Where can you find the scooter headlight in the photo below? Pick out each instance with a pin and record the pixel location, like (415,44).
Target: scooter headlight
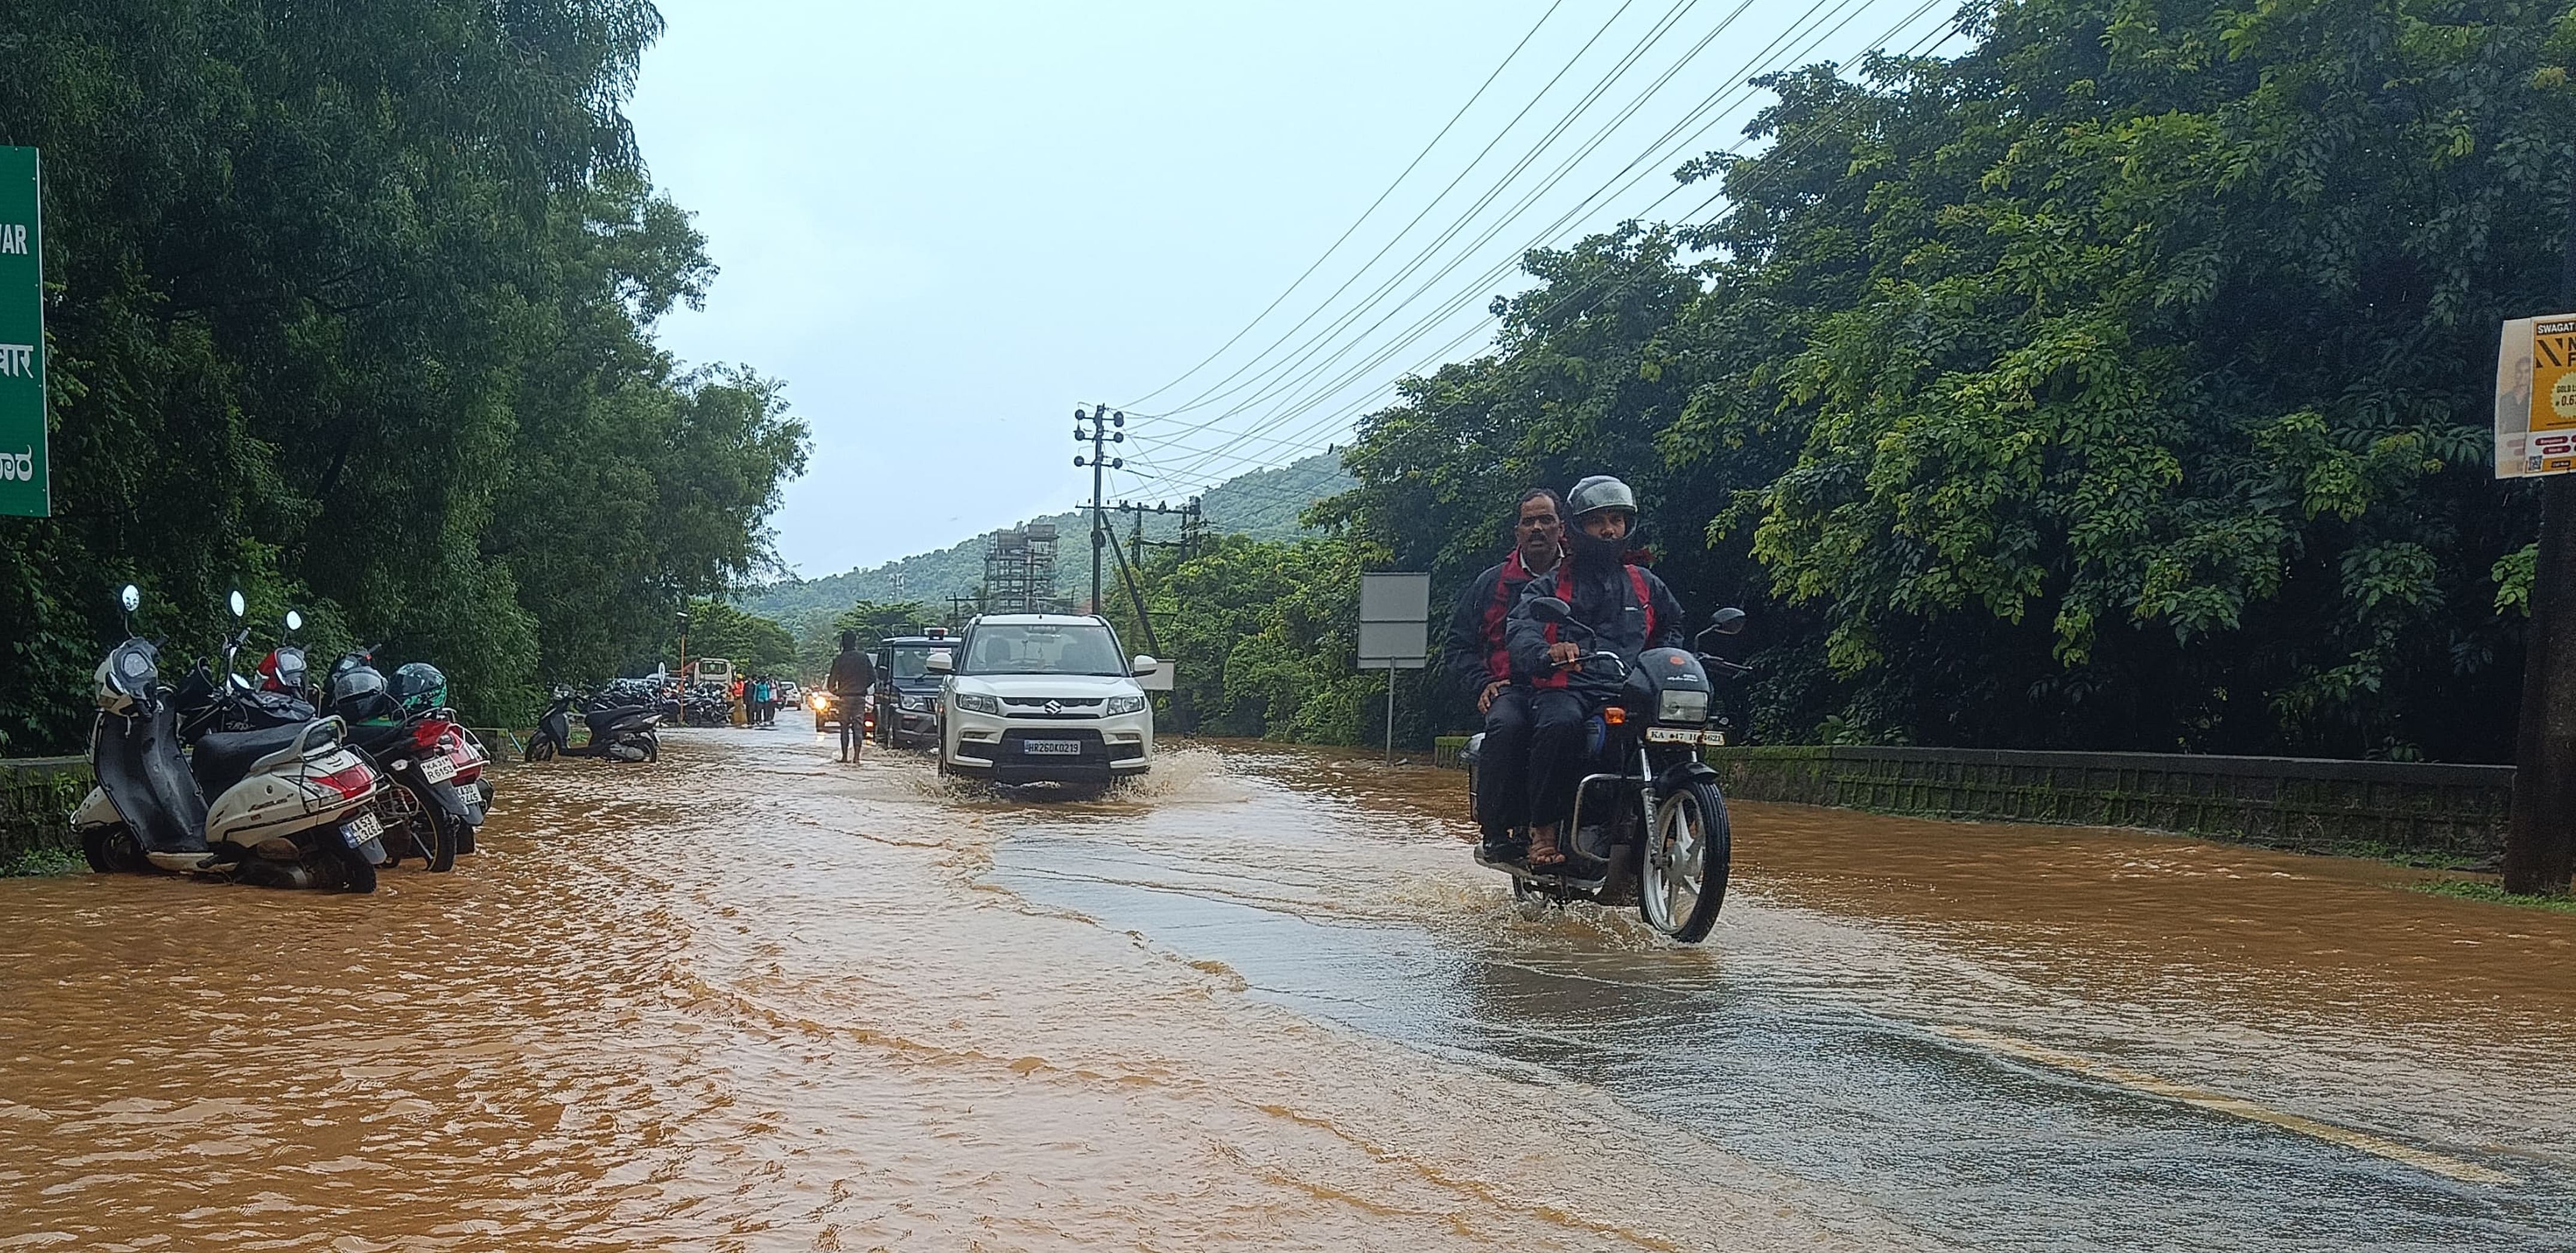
(1682,706)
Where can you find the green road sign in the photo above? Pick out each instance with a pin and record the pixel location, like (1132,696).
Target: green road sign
(25,478)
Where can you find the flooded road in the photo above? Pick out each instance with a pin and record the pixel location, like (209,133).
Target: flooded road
(754,999)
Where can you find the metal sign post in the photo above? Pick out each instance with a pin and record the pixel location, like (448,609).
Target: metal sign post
(2535,437)
(1395,619)
(26,473)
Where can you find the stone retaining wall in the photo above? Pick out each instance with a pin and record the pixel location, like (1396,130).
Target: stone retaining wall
(36,799)
(2410,811)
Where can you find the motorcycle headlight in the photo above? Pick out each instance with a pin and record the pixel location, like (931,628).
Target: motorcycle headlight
(977,702)
(1680,706)
(1124,705)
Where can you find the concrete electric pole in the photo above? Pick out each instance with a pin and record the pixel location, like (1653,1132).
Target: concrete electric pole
(1100,434)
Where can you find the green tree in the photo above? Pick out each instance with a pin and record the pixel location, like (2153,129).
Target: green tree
(348,309)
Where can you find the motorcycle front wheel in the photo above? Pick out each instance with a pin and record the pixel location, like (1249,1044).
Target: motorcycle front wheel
(541,748)
(1681,882)
(111,849)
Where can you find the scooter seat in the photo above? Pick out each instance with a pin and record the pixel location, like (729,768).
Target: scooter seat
(376,739)
(223,758)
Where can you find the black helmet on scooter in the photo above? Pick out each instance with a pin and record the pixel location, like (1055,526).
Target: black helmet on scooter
(358,693)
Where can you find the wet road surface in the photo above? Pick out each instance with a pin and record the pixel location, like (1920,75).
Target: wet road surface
(755,999)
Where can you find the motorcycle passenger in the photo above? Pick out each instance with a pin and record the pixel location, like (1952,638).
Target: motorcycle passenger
(1627,610)
(1476,662)
(852,675)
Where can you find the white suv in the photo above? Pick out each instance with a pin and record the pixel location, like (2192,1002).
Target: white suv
(1043,698)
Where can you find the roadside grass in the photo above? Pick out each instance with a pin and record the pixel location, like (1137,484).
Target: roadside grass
(2479,890)
(28,862)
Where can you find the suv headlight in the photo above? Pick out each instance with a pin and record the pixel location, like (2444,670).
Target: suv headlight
(1124,705)
(916,704)
(979,703)
(1680,706)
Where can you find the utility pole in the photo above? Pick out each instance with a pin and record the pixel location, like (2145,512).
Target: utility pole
(2540,834)
(1101,419)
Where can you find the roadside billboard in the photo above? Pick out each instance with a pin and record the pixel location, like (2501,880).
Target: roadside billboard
(2535,406)
(26,474)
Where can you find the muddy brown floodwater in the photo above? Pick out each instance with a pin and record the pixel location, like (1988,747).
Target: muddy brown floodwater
(754,999)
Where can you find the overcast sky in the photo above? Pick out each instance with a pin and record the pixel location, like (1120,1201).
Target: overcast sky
(945,226)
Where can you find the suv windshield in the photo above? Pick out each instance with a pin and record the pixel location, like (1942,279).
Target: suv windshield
(912,661)
(1042,648)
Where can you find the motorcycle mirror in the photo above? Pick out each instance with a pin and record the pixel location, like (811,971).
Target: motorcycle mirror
(1729,621)
(239,605)
(294,620)
(1550,609)
(131,598)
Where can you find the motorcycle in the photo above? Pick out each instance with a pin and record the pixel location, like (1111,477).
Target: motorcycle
(438,799)
(617,732)
(289,806)
(1649,825)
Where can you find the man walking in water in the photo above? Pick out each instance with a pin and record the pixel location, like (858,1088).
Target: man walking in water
(852,675)
(1476,661)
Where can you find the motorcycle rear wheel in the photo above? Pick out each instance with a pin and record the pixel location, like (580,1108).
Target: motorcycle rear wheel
(433,834)
(357,874)
(1681,883)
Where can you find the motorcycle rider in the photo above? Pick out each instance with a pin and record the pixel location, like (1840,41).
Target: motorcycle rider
(1476,662)
(1626,609)
(852,675)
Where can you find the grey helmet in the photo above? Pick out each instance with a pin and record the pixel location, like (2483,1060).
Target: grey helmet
(1597,493)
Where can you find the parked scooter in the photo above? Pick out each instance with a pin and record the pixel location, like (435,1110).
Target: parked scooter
(288,806)
(1649,824)
(617,732)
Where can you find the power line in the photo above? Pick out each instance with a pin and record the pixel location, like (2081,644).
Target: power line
(1208,457)
(1356,223)
(1738,84)
(1426,209)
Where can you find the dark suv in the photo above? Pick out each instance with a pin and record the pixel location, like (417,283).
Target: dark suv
(907,693)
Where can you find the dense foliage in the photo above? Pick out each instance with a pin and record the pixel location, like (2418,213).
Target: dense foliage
(2121,383)
(347,308)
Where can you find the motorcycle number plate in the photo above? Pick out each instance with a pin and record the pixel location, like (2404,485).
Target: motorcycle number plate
(1051,748)
(1671,735)
(359,830)
(437,769)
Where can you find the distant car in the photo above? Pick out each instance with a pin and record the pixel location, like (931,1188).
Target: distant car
(788,695)
(827,709)
(907,690)
(1043,698)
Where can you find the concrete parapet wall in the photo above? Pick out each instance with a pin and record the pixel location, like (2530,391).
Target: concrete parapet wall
(2412,811)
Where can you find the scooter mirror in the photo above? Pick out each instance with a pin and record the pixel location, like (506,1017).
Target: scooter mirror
(239,605)
(131,598)
(1550,609)
(1729,621)
(294,620)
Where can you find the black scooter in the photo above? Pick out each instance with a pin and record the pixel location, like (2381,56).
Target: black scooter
(618,733)
(1649,825)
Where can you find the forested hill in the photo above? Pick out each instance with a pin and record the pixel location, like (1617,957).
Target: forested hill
(1264,504)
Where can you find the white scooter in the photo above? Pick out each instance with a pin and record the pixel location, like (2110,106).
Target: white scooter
(290,808)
